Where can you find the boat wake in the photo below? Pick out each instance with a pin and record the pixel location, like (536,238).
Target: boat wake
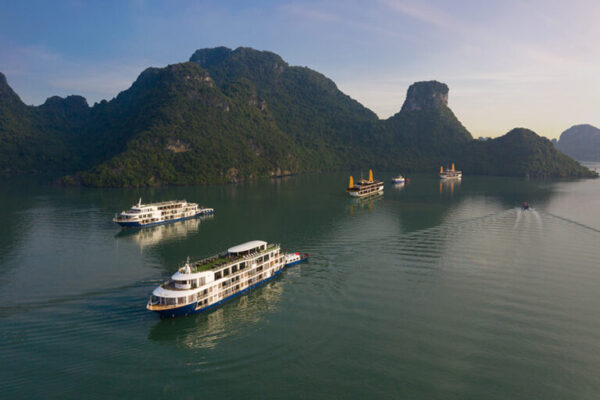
(524,217)
(518,219)
(571,221)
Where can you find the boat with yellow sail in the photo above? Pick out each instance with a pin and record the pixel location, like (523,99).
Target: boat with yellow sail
(364,187)
(450,173)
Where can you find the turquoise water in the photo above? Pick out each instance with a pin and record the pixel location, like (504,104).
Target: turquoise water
(431,291)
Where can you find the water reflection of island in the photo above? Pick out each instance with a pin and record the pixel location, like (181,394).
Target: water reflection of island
(208,329)
(155,234)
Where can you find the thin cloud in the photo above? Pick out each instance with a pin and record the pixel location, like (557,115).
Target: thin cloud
(311,13)
(342,18)
(425,13)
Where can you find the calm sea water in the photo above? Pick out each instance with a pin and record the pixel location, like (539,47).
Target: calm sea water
(432,291)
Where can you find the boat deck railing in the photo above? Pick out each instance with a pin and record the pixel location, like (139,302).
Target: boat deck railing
(220,261)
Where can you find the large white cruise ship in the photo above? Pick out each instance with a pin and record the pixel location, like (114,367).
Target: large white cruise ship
(205,284)
(140,215)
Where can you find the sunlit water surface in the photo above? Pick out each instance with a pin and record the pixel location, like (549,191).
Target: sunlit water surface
(431,291)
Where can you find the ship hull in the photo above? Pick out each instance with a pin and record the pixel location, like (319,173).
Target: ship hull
(192,309)
(446,177)
(296,262)
(136,224)
(371,193)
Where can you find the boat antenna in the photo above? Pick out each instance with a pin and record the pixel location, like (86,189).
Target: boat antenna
(140,202)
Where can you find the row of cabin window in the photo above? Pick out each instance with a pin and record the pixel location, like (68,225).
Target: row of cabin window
(264,258)
(230,290)
(181,300)
(255,271)
(170,301)
(225,272)
(198,296)
(173,211)
(255,279)
(234,268)
(195,282)
(230,281)
(237,278)
(171,206)
(225,292)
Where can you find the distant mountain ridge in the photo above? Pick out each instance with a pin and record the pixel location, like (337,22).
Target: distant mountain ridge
(234,115)
(521,152)
(582,142)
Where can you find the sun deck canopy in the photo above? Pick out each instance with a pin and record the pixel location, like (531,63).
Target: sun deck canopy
(244,248)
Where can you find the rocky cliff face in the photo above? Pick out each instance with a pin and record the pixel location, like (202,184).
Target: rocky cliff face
(426,95)
(7,95)
(582,142)
(426,124)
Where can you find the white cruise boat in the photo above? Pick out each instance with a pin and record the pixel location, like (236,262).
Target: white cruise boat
(140,215)
(295,258)
(398,179)
(450,173)
(365,187)
(205,284)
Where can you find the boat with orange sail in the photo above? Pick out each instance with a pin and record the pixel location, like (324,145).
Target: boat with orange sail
(450,173)
(364,187)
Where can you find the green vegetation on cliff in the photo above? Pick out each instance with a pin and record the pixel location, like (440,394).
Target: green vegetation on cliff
(185,130)
(233,115)
(520,152)
(38,139)
(330,128)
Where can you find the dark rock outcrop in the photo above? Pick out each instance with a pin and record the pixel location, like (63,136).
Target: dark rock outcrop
(582,142)
(426,95)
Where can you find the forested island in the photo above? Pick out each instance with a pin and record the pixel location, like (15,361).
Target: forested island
(237,115)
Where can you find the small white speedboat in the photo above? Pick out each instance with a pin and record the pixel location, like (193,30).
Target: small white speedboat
(398,179)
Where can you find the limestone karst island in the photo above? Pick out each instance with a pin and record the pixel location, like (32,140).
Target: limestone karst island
(238,115)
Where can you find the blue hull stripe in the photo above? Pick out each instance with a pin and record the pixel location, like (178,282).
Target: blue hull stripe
(296,262)
(191,308)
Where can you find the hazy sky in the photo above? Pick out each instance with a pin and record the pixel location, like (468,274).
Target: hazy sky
(530,63)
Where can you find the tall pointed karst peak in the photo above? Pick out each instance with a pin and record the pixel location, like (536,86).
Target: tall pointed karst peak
(6,92)
(426,95)
(3,81)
